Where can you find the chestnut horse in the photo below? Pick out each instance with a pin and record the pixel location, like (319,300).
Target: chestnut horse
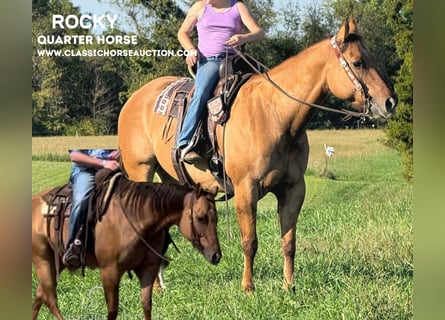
(131,235)
(264,141)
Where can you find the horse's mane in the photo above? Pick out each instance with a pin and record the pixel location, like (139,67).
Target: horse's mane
(353,37)
(138,198)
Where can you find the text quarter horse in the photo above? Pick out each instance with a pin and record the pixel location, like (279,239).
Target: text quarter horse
(130,236)
(265,143)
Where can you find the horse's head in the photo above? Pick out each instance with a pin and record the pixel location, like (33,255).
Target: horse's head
(352,75)
(199,221)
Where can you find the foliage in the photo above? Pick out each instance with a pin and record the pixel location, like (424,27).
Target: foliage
(400,137)
(400,128)
(68,89)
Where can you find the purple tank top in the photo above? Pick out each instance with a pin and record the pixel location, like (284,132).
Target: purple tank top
(215,28)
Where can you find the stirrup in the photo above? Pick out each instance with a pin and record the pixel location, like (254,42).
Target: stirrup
(184,151)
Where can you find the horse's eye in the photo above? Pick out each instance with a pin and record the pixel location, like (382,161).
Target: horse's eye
(202,219)
(358,64)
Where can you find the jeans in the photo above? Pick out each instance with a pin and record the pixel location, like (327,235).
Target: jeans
(207,76)
(83,183)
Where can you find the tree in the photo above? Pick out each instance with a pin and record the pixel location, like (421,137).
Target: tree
(50,101)
(314,26)
(156,23)
(399,133)
(67,90)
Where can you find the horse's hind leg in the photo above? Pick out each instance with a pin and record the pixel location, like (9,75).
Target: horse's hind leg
(246,206)
(142,170)
(290,195)
(289,206)
(138,156)
(46,290)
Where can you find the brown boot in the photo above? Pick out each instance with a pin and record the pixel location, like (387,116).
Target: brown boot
(191,157)
(71,258)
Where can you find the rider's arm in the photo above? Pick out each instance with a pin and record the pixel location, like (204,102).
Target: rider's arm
(255,31)
(185,30)
(85,160)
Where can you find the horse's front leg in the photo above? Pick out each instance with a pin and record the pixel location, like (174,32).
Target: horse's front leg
(147,275)
(290,201)
(110,276)
(246,206)
(159,283)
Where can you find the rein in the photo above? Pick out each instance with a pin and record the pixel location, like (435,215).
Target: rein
(195,235)
(160,256)
(348,114)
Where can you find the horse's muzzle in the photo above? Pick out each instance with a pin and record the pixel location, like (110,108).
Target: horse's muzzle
(390,104)
(215,258)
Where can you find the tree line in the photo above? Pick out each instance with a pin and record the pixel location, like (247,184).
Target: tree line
(83,95)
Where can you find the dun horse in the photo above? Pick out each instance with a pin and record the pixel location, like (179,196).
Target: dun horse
(131,235)
(264,141)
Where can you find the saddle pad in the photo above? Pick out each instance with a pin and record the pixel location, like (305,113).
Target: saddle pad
(167,106)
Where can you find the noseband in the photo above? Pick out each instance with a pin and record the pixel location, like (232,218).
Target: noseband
(358,85)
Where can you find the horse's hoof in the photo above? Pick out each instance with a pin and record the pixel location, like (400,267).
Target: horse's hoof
(289,287)
(159,289)
(248,288)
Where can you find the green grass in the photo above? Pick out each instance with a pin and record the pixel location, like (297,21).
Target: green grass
(354,254)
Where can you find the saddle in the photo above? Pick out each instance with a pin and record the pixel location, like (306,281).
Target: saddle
(58,206)
(173,102)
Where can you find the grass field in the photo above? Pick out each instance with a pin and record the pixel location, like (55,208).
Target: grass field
(354,245)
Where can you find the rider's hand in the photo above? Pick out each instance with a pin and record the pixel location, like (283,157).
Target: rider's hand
(114,155)
(110,164)
(236,40)
(192,57)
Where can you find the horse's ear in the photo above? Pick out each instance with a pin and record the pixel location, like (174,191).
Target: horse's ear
(214,191)
(343,32)
(352,26)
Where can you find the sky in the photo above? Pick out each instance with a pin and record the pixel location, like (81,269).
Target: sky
(94,7)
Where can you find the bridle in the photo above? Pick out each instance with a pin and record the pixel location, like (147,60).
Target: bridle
(195,236)
(358,85)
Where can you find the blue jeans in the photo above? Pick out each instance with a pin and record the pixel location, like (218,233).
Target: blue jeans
(83,183)
(207,76)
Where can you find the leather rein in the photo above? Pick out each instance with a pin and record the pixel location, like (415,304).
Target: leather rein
(195,236)
(358,85)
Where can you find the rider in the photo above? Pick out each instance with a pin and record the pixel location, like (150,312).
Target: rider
(220,25)
(85,164)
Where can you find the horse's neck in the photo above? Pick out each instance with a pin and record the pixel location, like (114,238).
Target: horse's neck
(169,213)
(303,77)
(157,209)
